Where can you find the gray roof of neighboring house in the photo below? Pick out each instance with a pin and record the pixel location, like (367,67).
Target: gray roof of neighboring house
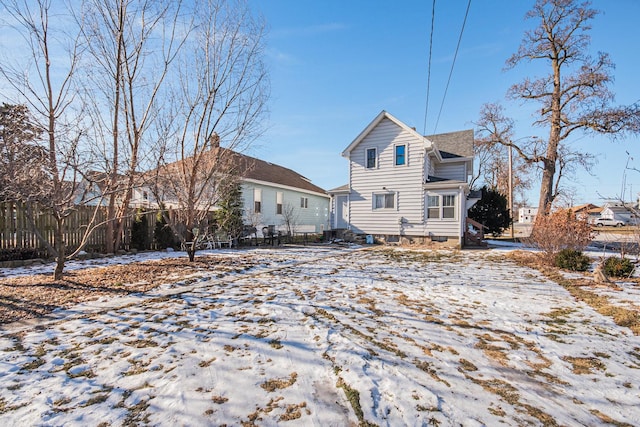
(251,168)
(454,144)
(340,189)
(260,170)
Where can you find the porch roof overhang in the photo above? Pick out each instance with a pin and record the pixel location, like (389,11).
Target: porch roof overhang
(446,185)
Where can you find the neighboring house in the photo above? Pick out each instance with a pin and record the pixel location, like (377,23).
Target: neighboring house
(280,197)
(626,212)
(587,211)
(403,185)
(272,195)
(527,215)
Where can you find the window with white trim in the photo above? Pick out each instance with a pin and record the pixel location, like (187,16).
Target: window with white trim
(448,206)
(400,155)
(372,156)
(257,200)
(441,206)
(279,198)
(433,207)
(304,202)
(384,201)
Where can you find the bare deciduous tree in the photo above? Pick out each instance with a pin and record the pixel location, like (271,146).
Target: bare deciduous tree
(219,100)
(45,80)
(132,45)
(573,97)
(290,219)
(492,161)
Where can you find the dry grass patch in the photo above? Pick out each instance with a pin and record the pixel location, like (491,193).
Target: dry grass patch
(279,383)
(577,288)
(219,400)
(294,411)
(584,365)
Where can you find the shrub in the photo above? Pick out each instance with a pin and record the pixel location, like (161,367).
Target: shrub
(139,231)
(491,211)
(18,254)
(618,267)
(571,259)
(560,230)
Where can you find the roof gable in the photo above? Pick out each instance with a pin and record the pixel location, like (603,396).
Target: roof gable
(383,115)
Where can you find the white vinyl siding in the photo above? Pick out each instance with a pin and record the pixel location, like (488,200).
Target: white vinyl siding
(313,219)
(405,181)
(456,171)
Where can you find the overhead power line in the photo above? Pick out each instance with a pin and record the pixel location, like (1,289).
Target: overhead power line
(426,107)
(452,65)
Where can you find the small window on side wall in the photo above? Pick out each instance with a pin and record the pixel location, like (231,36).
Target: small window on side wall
(279,198)
(257,200)
(304,202)
(400,155)
(384,201)
(371,158)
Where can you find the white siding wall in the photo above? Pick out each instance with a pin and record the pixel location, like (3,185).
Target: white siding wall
(455,171)
(314,218)
(405,180)
(446,227)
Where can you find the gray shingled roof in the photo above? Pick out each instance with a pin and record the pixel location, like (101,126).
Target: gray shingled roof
(252,168)
(454,144)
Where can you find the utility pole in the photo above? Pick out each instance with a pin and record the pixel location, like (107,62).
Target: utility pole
(511,189)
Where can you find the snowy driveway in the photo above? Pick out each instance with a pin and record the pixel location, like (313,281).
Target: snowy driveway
(330,337)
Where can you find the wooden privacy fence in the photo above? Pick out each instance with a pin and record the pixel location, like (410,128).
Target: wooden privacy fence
(16,232)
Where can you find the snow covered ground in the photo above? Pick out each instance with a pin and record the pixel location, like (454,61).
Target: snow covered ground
(331,337)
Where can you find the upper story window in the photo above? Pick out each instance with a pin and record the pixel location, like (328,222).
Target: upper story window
(257,200)
(400,155)
(304,202)
(384,201)
(372,156)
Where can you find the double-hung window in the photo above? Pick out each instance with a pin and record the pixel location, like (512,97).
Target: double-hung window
(400,155)
(371,158)
(448,206)
(384,201)
(304,202)
(279,197)
(433,207)
(257,200)
(441,206)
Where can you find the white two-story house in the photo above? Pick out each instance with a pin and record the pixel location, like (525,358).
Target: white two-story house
(404,186)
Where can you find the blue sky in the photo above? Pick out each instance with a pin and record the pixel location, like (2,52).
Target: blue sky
(336,64)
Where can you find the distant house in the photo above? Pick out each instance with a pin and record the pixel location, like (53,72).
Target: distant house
(626,212)
(403,185)
(527,215)
(272,195)
(587,211)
